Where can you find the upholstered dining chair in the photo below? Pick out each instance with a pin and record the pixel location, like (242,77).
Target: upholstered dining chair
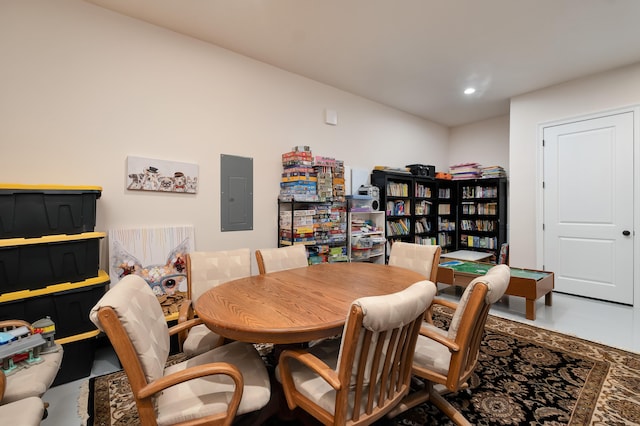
(210,388)
(445,359)
(358,379)
(423,259)
(207,269)
(22,412)
(37,378)
(281,258)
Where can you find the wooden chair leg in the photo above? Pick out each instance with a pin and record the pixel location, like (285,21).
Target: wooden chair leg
(448,409)
(436,398)
(408,402)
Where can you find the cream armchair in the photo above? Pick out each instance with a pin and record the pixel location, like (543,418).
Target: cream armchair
(211,388)
(360,378)
(204,271)
(445,359)
(423,259)
(23,412)
(281,258)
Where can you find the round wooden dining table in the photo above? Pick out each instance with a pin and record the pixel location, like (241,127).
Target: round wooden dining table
(296,305)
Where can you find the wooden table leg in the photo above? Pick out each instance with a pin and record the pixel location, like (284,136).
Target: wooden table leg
(531,309)
(547,299)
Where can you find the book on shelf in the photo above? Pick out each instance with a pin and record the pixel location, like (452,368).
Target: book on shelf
(397,189)
(423,207)
(444,209)
(444,193)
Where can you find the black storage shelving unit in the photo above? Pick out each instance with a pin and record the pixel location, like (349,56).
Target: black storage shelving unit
(482,214)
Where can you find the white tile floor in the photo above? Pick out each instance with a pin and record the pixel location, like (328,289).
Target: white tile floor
(607,323)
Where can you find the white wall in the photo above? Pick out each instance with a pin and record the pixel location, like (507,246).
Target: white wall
(578,98)
(82,88)
(485,142)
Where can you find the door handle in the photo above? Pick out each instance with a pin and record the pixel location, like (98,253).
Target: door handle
(626,233)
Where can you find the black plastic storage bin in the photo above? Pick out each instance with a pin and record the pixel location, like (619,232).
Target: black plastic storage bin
(32,263)
(68,305)
(35,210)
(78,356)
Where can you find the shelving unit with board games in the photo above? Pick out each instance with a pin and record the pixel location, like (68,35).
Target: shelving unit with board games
(319,225)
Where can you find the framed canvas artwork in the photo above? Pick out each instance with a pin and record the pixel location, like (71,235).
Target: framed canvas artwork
(156,254)
(146,174)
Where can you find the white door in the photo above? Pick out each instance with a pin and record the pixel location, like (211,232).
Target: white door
(588,207)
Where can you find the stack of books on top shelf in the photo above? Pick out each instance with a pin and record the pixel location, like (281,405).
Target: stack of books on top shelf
(465,171)
(493,172)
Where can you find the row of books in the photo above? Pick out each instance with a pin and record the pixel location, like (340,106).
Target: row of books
(444,209)
(423,207)
(398,227)
(396,189)
(478,225)
(489,209)
(479,191)
(423,225)
(423,191)
(444,239)
(426,241)
(480,242)
(445,224)
(403,208)
(398,208)
(444,193)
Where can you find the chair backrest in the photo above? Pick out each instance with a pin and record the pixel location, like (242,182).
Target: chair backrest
(131,317)
(207,269)
(376,352)
(23,412)
(467,324)
(423,259)
(281,258)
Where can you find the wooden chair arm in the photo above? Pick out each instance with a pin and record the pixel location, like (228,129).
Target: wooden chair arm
(443,340)
(185,314)
(311,361)
(186,311)
(184,326)
(445,303)
(442,302)
(191,373)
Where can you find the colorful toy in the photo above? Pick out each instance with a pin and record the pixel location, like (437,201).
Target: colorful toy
(24,344)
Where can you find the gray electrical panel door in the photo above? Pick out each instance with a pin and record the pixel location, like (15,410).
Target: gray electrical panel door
(236,193)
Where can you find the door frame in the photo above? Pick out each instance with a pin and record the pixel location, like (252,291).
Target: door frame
(635,109)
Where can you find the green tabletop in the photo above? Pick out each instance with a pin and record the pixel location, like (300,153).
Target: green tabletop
(482,268)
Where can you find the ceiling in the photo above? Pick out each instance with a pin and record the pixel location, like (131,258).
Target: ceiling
(415,55)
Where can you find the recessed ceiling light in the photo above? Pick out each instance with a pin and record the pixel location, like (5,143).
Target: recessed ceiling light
(469,91)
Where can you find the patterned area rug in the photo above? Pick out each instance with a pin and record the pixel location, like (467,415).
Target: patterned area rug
(526,375)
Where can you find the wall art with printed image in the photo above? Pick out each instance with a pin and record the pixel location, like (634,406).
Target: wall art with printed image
(158,255)
(147,174)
